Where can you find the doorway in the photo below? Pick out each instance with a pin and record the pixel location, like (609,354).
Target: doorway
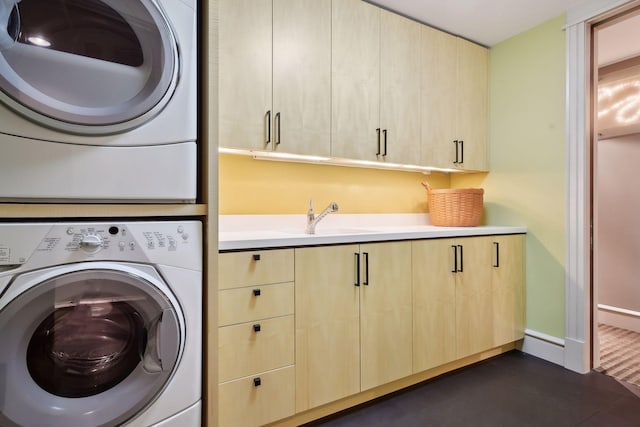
(615,153)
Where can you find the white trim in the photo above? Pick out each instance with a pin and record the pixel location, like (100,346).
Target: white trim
(589,9)
(543,346)
(577,272)
(544,337)
(619,317)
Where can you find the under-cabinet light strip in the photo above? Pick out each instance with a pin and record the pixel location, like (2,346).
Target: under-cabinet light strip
(300,158)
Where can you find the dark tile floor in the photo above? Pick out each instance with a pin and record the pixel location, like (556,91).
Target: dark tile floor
(513,389)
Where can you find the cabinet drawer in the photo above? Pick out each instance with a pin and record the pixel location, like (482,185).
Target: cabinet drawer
(243,403)
(240,269)
(255,302)
(244,351)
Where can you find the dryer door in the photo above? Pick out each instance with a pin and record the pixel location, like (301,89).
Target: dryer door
(90,344)
(86,66)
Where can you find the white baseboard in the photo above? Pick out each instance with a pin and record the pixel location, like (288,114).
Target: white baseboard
(543,346)
(619,317)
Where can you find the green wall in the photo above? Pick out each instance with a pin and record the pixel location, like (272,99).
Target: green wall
(527,160)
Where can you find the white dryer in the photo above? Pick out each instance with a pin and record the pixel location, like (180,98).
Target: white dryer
(100,324)
(98,100)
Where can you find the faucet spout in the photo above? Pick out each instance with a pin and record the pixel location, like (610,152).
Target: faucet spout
(313,220)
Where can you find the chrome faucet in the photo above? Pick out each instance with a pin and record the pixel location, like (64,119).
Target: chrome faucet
(313,220)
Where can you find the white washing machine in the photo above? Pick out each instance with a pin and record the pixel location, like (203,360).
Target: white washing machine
(98,100)
(100,324)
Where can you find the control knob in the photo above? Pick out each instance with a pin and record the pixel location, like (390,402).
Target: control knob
(91,243)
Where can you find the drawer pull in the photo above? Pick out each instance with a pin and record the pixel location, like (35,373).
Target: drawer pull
(256,327)
(256,292)
(256,257)
(257,382)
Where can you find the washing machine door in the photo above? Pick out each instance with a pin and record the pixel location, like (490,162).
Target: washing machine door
(86,66)
(90,344)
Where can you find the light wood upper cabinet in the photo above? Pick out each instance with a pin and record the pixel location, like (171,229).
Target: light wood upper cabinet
(385,313)
(472,104)
(302,76)
(454,101)
(438,96)
(327,325)
(400,82)
(347,79)
(275,75)
(375,81)
(355,76)
(508,279)
(245,82)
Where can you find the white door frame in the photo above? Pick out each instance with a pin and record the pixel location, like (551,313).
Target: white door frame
(578,346)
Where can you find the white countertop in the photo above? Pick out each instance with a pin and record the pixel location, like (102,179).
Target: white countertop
(239,232)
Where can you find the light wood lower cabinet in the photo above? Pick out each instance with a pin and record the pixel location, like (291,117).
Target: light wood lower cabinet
(385,313)
(468,297)
(253,347)
(300,328)
(474,305)
(257,400)
(434,304)
(508,280)
(256,337)
(327,325)
(353,321)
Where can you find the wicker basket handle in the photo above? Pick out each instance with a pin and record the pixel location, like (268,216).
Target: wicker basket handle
(426,185)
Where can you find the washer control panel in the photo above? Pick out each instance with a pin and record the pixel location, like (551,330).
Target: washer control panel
(170,242)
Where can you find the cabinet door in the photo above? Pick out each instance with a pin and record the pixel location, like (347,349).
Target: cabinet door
(385,313)
(434,303)
(302,76)
(508,288)
(245,73)
(472,104)
(355,79)
(474,297)
(400,88)
(438,98)
(327,325)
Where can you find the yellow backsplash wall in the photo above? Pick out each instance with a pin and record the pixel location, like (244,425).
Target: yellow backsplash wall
(248,186)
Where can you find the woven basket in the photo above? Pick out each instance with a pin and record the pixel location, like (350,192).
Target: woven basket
(461,207)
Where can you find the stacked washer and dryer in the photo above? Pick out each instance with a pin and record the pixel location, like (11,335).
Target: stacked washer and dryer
(100,321)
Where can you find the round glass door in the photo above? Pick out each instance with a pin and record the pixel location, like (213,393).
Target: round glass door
(88,347)
(86,66)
